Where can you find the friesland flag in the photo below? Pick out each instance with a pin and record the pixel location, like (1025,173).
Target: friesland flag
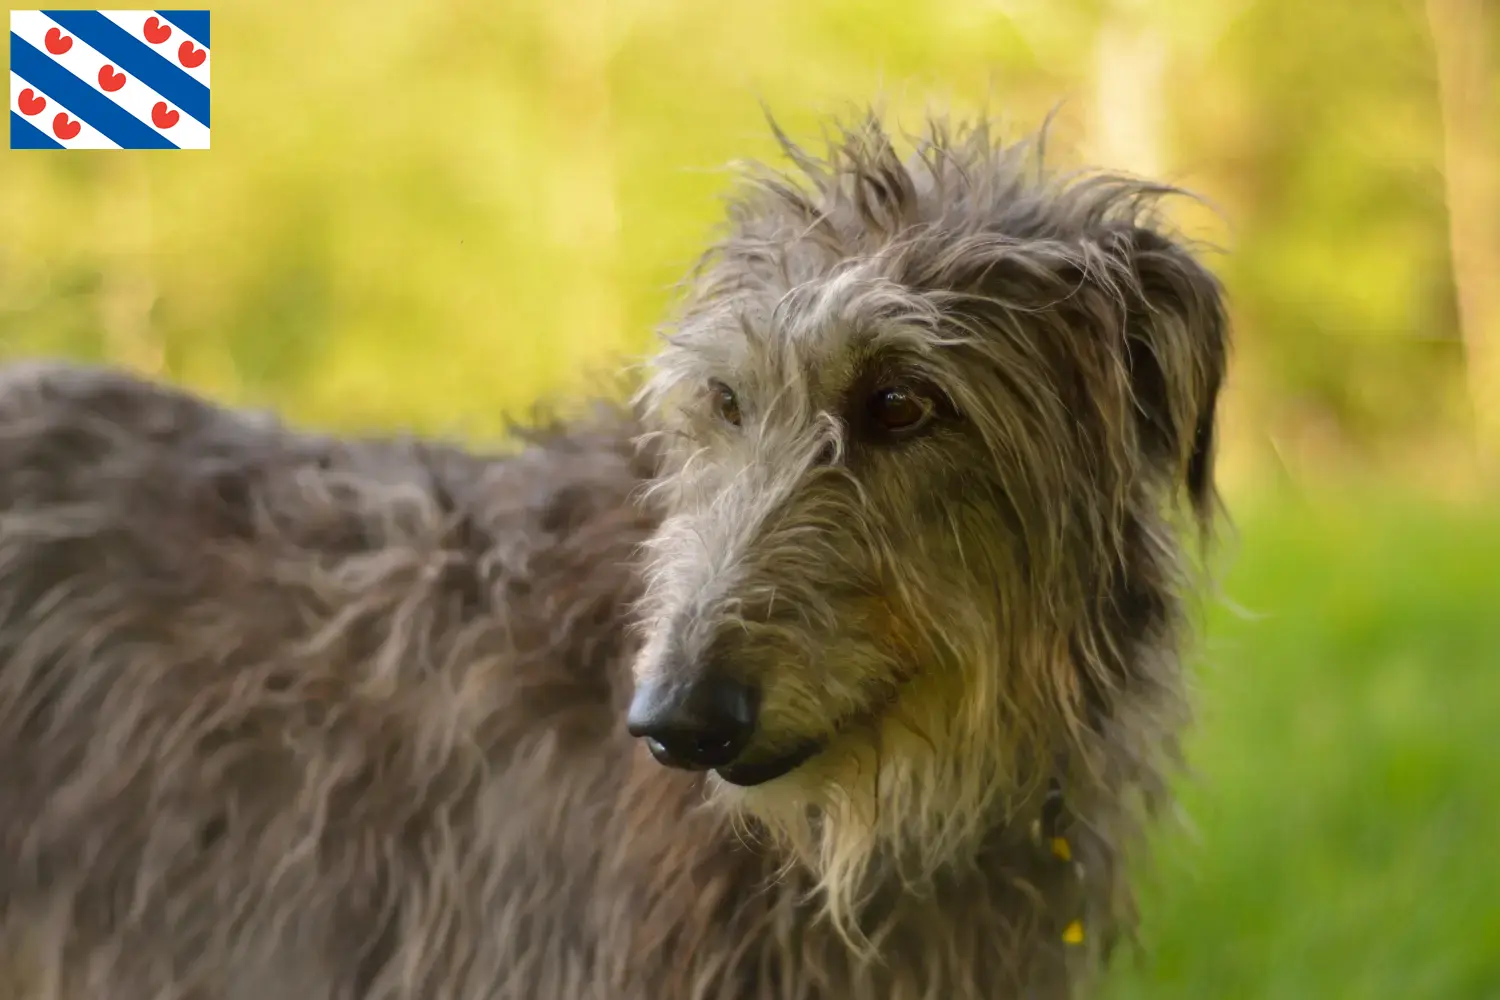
(109,79)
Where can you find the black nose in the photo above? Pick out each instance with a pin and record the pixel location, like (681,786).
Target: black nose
(699,725)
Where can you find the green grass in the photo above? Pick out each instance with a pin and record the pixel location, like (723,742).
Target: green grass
(1345,800)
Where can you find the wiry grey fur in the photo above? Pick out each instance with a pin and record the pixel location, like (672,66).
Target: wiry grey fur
(288,715)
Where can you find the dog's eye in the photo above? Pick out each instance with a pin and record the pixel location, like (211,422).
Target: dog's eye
(900,410)
(726,405)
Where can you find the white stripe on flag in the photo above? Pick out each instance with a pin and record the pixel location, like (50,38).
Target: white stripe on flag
(134,24)
(88,137)
(84,62)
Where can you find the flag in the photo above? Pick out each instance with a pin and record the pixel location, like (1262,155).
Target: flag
(109,79)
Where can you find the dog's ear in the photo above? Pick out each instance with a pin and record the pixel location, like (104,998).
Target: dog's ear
(1176,353)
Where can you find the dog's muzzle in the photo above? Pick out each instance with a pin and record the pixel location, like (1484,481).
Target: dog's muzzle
(703,724)
(707,724)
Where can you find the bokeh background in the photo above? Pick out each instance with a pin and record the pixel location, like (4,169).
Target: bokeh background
(429,215)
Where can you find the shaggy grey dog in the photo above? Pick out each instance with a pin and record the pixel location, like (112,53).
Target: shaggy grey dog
(884,561)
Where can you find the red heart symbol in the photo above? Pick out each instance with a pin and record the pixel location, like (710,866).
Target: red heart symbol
(63,128)
(155,31)
(31,102)
(190,57)
(161,117)
(57,42)
(109,79)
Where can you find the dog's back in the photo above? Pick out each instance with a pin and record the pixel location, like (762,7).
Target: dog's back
(280,715)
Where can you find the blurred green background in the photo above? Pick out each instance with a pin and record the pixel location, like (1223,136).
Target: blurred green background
(429,215)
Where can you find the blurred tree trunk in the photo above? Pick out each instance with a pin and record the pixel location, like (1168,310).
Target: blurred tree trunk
(128,289)
(1462,31)
(584,209)
(1129,106)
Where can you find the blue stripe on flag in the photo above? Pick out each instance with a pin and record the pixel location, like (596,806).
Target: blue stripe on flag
(136,58)
(81,99)
(194,22)
(24,135)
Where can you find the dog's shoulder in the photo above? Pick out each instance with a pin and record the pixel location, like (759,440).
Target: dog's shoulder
(230,648)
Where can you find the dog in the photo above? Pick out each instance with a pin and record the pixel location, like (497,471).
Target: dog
(841,660)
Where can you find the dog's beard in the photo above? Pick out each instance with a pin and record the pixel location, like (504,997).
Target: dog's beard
(899,798)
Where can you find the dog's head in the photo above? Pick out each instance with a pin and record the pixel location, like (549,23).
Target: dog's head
(923,421)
